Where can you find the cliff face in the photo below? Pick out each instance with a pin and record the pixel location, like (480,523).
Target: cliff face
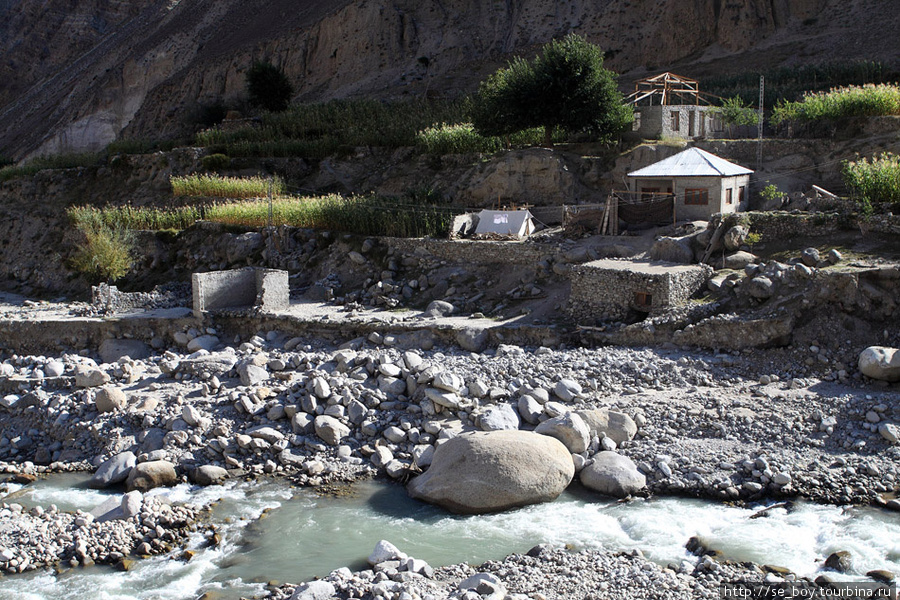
(89,71)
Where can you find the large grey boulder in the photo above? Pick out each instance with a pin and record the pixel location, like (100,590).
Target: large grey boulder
(612,474)
(330,430)
(152,474)
(499,417)
(761,287)
(673,250)
(208,475)
(251,374)
(570,429)
(880,362)
(489,471)
(610,423)
(734,238)
(112,471)
(739,260)
(218,364)
(90,377)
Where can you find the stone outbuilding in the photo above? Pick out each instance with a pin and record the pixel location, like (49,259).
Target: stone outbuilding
(702,184)
(624,289)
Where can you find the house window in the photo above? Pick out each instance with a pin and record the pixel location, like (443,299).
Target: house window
(676,120)
(643,300)
(718,123)
(728,198)
(742,191)
(696,196)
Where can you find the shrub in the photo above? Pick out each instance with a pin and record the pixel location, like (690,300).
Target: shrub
(53,161)
(364,215)
(771,192)
(874,181)
(215,162)
(456,139)
(106,252)
(268,87)
(735,113)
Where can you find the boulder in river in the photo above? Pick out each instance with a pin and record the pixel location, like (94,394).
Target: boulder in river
(152,474)
(613,474)
(490,471)
(113,470)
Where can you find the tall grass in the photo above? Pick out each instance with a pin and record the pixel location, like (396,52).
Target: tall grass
(364,215)
(461,138)
(55,161)
(840,103)
(129,217)
(322,129)
(874,181)
(217,186)
(790,83)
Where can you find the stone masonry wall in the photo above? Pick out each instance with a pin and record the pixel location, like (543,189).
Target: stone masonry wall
(474,252)
(609,294)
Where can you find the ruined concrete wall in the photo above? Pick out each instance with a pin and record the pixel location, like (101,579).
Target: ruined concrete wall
(266,289)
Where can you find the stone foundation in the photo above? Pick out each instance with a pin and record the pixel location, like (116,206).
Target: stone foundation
(615,289)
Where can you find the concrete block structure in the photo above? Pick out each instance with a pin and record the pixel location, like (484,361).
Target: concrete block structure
(624,289)
(265,289)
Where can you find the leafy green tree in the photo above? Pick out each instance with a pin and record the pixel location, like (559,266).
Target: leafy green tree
(268,87)
(735,113)
(565,87)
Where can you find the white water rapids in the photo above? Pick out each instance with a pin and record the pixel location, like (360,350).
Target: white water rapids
(305,535)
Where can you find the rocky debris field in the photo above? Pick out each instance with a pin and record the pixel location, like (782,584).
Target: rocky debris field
(541,574)
(632,421)
(115,533)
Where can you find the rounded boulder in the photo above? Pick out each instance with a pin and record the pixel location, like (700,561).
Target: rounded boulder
(490,471)
(613,474)
(152,474)
(880,362)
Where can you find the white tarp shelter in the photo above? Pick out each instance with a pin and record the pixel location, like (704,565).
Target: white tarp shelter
(518,223)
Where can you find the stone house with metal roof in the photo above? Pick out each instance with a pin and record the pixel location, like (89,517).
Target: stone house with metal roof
(701,183)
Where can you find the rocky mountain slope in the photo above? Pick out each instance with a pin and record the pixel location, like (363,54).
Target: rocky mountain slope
(75,78)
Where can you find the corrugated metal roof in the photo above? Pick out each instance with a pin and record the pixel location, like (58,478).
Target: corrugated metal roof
(692,162)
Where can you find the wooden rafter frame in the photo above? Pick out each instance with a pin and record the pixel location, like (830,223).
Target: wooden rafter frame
(669,89)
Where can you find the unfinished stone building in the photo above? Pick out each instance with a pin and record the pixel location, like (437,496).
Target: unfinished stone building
(623,289)
(672,106)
